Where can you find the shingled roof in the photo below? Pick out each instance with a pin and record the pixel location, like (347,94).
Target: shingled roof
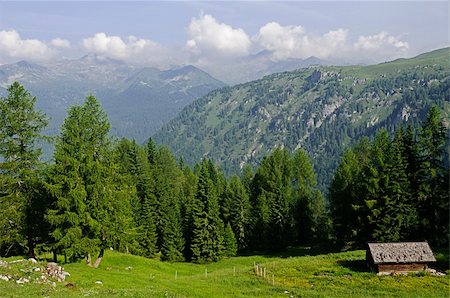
(401,252)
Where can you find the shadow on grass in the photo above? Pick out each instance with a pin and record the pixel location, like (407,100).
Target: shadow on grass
(356,265)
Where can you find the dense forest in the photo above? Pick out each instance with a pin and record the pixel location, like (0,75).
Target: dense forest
(323,110)
(102,193)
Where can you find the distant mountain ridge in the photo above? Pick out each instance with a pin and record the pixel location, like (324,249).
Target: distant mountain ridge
(323,109)
(138,100)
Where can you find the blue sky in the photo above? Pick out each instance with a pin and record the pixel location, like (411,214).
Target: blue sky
(173,32)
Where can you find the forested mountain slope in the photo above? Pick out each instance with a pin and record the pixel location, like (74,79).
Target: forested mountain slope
(139,100)
(321,109)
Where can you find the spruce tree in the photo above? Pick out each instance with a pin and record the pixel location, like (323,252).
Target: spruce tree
(229,242)
(239,208)
(20,129)
(168,190)
(207,227)
(433,186)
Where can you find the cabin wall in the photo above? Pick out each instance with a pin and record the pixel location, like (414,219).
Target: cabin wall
(400,267)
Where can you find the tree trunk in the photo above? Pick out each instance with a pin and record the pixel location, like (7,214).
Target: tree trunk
(99,259)
(55,256)
(31,253)
(88,260)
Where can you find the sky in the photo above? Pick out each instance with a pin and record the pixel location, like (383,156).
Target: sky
(164,33)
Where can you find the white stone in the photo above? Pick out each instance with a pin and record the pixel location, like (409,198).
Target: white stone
(4,277)
(98,282)
(32,260)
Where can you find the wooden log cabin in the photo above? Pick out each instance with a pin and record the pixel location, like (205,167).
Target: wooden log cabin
(399,256)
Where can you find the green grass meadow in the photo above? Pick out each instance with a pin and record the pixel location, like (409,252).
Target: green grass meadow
(293,274)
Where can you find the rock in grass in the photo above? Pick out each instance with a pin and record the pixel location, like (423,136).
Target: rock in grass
(99,282)
(4,277)
(22,280)
(32,260)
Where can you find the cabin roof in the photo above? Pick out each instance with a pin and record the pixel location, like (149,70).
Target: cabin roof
(401,252)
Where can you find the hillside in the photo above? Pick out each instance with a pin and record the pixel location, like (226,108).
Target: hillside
(139,100)
(321,109)
(300,275)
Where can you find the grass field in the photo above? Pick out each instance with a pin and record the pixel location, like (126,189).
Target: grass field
(293,274)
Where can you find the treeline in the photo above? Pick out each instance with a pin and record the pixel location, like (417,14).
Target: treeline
(101,193)
(394,188)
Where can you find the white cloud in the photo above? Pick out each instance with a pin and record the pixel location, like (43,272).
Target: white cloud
(13,47)
(210,39)
(60,43)
(380,46)
(294,42)
(133,49)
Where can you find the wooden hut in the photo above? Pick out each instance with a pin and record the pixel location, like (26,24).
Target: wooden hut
(399,256)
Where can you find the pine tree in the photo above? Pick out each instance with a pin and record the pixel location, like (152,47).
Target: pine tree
(20,129)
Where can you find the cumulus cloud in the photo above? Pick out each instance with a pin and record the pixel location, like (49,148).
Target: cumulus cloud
(210,39)
(380,46)
(132,49)
(60,43)
(294,42)
(12,46)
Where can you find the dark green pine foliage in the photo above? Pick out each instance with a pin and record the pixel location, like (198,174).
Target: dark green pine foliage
(311,219)
(237,203)
(344,194)
(273,207)
(374,187)
(189,190)
(168,190)
(146,206)
(229,242)
(433,179)
(397,209)
(88,195)
(20,129)
(207,227)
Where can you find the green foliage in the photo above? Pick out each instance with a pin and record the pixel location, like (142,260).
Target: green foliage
(323,110)
(91,208)
(20,130)
(229,242)
(207,227)
(394,188)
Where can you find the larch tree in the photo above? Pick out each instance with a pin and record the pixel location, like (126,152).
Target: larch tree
(20,130)
(86,193)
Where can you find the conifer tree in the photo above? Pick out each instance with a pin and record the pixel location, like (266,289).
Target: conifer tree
(311,218)
(207,227)
(433,188)
(167,190)
(239,208)
(20,129)
(82,182)
(229,241)
(273,210)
